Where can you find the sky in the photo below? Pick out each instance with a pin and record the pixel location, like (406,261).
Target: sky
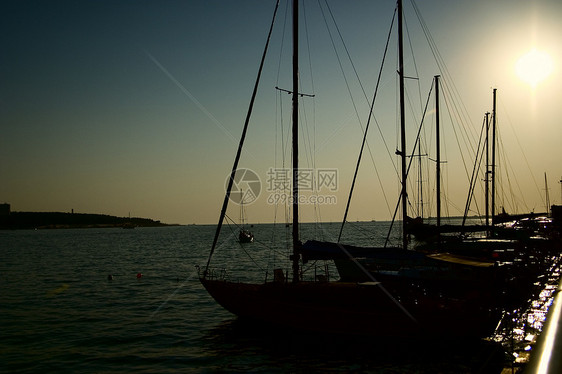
(136,107)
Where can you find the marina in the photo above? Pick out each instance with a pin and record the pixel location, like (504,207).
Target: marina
(442,287)
(336,187)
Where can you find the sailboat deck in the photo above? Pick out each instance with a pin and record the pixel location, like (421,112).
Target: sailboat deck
(448,257)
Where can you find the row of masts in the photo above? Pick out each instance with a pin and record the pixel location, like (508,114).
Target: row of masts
(295,161)
(489,174)
(490,169)
(295,258)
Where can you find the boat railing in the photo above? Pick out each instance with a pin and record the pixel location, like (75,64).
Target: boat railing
(280,275)
(316,274)
(212,273)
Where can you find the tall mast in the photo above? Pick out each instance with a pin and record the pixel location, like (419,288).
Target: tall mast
(242,211)
(420,182)
(486,176)
(493,171)
(240,145)
(546,195)
(438,158)
(296,242)
(560,190)
(402,152)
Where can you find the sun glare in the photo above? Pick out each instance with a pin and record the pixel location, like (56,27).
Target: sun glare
(534,67)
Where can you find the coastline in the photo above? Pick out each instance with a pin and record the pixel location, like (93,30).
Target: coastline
(60,220)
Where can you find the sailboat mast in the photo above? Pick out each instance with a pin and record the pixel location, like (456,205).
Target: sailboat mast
(296,241)
(438,157)
(240,145)
(560,190)
(420,182)
(486,176)
(402,152)
(493,171)
(546,195)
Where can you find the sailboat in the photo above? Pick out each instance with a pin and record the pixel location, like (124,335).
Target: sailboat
(390,306)
(244,235)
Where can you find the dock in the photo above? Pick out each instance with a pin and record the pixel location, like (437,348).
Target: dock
(546,357)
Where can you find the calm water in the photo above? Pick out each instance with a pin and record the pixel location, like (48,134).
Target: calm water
(60,313)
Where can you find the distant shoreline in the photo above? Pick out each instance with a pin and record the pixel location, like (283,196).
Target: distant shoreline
(59,220)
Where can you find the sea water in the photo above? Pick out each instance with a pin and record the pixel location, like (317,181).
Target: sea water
(114,300)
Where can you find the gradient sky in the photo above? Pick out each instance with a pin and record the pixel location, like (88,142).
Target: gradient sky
(135,107)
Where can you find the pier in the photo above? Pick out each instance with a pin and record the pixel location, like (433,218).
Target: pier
(545,357)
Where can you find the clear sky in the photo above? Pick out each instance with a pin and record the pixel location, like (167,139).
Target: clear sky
(136,107)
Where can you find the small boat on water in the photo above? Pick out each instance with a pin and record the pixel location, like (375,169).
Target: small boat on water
(245,236)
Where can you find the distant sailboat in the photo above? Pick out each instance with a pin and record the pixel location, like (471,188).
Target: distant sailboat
(245,235)
(129,224)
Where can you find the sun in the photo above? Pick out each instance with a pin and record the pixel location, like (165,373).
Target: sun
(534,67)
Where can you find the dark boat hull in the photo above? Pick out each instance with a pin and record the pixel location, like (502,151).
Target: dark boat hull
(245,236)
(352,309)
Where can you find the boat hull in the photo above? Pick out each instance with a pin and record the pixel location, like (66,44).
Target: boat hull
(245,236)
(350,308)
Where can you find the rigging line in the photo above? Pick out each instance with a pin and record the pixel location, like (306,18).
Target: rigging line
(285,138)
(378,284)
(462,117)
(481,143)
(361,85)
(457,139)
(242,246)
(474,172)
(364,141)
(284,144)
(341,68)
(500,188)
(231,223)
(313,87)
(278,124)
(313,148)
(283,152)
(358,229)
(409,164)
(507,188)
(414,61)
(306,134)
(240,145)
(508,167)
(307,142)
(412,183)
(422,153)
(450,96)
(275,150)
(520,146)
(454,93)
(357,74)
(279,60)
(468,144)
(517,184)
